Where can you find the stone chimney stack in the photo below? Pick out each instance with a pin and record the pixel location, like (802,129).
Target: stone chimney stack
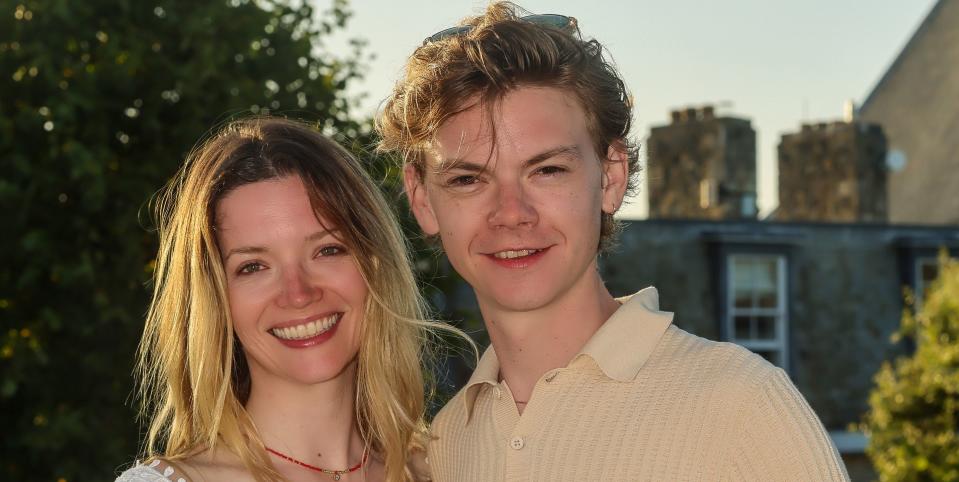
(701,166)
(833,172)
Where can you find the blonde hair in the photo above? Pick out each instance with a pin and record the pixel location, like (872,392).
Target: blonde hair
(193,374)
(497,53)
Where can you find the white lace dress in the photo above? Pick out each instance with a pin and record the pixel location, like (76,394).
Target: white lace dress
(155,471)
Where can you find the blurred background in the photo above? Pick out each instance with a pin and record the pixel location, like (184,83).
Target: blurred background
(799,192)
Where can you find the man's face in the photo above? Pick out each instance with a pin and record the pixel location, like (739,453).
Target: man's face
(519,218)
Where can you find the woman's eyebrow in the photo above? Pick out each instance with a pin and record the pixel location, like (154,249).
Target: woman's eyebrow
(322,234)
(261,249)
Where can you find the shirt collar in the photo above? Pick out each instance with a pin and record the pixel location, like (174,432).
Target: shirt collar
(624,343)
(620,347)
(486,373)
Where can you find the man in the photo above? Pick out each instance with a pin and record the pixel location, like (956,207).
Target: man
(515,134)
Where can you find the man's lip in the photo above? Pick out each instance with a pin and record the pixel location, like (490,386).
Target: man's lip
(302,321)
(491,253)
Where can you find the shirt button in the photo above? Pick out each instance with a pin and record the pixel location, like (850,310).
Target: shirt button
(498,392)
(517,443)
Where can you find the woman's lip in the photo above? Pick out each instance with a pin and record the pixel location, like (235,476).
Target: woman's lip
(303,321)
(308,342)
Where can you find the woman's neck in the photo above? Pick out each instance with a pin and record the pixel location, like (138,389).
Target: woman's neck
(314,424)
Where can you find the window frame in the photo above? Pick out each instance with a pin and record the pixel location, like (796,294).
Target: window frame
(779,345)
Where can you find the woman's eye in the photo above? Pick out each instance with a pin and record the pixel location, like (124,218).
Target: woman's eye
(249,268)
(332,250)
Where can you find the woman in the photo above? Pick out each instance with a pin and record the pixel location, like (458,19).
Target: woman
(284,338)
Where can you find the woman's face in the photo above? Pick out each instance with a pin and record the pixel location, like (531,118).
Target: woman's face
(296,294)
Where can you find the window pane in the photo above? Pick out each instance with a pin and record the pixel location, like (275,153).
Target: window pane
(742,272)
(767,300)
(743,325)
(764,274)
(765,327)
(755,282)
(929,272)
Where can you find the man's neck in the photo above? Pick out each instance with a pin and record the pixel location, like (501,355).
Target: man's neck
(529,344)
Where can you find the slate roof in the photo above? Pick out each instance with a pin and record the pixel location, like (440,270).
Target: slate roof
(917,103)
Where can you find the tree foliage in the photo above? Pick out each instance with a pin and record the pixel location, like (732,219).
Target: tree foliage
(913,422)
(99,102)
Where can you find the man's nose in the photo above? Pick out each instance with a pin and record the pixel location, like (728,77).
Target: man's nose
(511,207)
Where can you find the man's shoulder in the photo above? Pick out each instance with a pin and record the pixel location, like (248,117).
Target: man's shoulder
(454,413)
(724,363)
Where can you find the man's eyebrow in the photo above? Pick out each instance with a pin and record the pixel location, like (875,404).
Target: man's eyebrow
(460,165)
(562,151)
(260,249)
(463,165)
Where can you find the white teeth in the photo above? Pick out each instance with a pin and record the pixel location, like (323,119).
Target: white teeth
(306,330)
(515,254)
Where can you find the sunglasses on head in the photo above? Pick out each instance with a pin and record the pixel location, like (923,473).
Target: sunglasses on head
(561,22)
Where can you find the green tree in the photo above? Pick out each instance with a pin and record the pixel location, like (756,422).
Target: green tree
(99,102)
(913,422)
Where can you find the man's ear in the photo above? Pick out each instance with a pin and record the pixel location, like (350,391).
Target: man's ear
(419,200)
(615,176)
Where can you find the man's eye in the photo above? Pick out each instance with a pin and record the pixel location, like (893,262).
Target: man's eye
(249,268)
(550,170)
(462,181)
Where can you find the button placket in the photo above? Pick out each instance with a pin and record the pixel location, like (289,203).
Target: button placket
(505,418)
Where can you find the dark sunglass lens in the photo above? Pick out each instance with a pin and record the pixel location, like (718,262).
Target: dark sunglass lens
(561,22)
(449,32)
(549,20)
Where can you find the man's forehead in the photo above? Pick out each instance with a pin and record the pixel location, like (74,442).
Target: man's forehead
(463,155)
(521,123)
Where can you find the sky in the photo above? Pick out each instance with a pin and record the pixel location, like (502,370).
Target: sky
(777,63)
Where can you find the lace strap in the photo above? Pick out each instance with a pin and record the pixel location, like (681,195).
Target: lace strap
(168,469)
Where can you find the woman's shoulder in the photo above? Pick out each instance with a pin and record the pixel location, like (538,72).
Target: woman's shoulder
(155,471)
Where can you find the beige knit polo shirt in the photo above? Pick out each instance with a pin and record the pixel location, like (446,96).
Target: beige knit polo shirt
(643,400)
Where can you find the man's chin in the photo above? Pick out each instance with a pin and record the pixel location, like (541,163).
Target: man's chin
(517,300)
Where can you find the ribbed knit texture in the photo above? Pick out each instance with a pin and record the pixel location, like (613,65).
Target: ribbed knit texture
(695,410)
